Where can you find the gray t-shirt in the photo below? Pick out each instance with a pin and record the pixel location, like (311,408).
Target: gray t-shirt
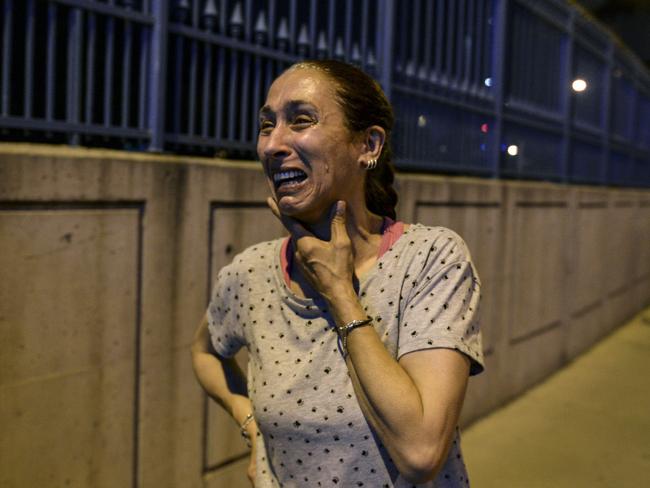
(423,293)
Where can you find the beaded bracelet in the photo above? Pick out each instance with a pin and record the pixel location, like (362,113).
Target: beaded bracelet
(344,330)
(244,433)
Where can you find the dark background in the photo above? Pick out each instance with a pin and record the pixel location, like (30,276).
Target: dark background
(628,19)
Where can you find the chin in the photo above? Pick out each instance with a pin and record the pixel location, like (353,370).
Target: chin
(308,214)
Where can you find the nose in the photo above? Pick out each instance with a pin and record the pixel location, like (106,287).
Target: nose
(275,145)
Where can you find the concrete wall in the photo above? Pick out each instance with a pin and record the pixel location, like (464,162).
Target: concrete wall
(106,260)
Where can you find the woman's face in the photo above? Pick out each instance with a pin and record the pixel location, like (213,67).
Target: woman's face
(310,158)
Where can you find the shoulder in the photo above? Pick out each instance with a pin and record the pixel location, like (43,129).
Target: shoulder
(426,255)
(252,262)
(443,242)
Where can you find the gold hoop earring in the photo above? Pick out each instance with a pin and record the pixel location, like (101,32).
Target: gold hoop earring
(371,164)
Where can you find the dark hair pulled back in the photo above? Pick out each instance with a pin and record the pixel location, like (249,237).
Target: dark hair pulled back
(364,104)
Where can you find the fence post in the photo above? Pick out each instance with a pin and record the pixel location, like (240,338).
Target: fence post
(567,97)
(385,43)
(607,100)
(74,73)
(157,75)
(498,80)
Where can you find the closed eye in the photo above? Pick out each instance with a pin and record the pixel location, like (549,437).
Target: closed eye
(265,126)
(303,121)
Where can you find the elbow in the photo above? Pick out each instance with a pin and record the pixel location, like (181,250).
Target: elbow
(421,463)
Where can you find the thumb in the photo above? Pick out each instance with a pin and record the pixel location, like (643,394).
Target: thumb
(338,220)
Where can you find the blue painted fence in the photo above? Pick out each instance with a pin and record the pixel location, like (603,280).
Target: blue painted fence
(479,87)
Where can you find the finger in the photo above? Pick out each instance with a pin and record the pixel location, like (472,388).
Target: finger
(338,221)
(295,228)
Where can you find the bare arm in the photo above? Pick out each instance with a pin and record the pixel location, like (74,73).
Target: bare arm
(223,380)
(416,415)
(413,404)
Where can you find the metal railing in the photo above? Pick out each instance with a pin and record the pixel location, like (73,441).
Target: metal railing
(479,86)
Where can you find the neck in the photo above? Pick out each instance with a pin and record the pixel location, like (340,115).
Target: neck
(364,229)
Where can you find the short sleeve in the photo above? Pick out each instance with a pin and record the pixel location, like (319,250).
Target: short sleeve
(441,309)
(224,322)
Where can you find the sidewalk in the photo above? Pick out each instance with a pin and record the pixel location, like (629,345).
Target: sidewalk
(586,426)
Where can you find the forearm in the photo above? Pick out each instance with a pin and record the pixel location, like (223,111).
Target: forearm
(395,412)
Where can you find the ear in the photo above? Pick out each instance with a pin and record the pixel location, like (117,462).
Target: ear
(373,143)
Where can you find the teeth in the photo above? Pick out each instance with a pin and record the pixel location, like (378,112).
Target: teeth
(286,175)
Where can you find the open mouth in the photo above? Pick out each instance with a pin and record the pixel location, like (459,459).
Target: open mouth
(288,179)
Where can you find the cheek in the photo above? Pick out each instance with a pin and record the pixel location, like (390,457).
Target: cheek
(260,149)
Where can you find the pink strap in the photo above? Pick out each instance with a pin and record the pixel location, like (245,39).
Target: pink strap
(391,232)
(286,256)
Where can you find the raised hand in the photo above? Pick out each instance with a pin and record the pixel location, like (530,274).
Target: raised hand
(328,266)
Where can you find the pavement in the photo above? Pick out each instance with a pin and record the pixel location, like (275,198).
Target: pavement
(587,425)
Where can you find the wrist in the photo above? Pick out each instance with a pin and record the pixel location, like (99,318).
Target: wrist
(344,305)
(248,429)
(344,331)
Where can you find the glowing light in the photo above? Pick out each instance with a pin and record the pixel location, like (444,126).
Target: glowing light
(488,81)
(484,128)
(513,150)
(422,121)
(579,85)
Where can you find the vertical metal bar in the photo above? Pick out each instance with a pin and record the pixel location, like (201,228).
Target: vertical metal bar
(244,96)
(402,54)
(499,53)
(331,24)
(348,29)
(224,13)
(440,16)
(469,43)
(607,106)
(269,74)
(566,103)
(178,84)
(460,51)
(480,49)
(51,61)
(248,20)
(364,33)
(126,72)
(293,14)
(450,66)
(29,58)
(232,95)
(74,70)
(196,7)
(385,42)
(219,108)
(6,55)
(257,88)
(515,41)
(90,68)
(313,12)
(207,83)
(108,71)
(415,31)
(191,117)
(533,32)
(271,26)
(157,75)
(428,36)
(635,159)
(144,67)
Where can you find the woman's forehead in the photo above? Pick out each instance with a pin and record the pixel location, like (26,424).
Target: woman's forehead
(304,84)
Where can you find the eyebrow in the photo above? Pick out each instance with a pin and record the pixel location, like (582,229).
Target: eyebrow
(291,105)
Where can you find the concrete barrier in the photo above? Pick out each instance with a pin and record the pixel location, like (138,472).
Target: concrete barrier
(107,258)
